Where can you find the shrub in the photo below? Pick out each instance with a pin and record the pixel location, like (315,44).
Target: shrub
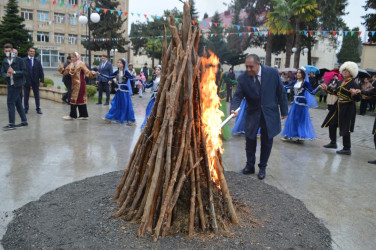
(48,82)
(58,87)
(3,80)
(96,62)
(91,91)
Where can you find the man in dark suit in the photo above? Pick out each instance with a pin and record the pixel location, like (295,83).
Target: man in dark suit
(13,69)
(103,83)
(34,79)
(266,97)
(67,80)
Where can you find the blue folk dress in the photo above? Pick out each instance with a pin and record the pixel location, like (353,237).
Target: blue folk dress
(121,110)
(298,125)
(154,84)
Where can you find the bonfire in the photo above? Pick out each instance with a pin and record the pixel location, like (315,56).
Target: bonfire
(175,177)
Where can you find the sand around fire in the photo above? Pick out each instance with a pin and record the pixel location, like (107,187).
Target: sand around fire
(79,215)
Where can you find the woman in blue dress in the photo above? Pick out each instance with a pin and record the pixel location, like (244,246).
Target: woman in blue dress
(298,125)
(121,110)
(154,83)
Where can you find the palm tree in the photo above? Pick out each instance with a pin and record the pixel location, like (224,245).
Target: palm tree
(288,16)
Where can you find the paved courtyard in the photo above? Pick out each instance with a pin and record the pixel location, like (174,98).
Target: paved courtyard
(51,152)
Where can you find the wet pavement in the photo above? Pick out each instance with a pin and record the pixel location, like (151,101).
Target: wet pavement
(51,152)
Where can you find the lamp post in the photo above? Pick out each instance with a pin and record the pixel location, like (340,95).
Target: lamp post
(95,18)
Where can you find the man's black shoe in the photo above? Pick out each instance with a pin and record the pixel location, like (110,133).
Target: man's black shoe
(248,170)
(9,127)
(22,124)
(344,152)
(372,162)
(98,103)
(106,104)
(330,145)
(39,112)
(261,175)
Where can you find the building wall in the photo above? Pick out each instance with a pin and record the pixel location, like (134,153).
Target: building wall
(368,59)
(53,50)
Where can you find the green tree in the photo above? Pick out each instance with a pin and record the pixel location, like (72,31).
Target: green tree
(236,44)
(152,30)
(12,30)
(288,16)
(194,12)
(110,26)
(350,49)
(215,41)
(370,19)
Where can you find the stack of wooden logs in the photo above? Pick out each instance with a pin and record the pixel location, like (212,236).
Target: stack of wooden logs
(167,184)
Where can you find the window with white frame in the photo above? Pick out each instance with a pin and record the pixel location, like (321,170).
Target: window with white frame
(72,39)
(27,14)
(62,57)
(43,37)
(59,38)
(59,18)
(278,62)
(72,2)
(72,20)
(262,60)
(59,1)
(31,38)
(42,16)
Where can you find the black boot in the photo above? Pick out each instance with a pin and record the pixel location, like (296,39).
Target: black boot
(372,162)
(331,145)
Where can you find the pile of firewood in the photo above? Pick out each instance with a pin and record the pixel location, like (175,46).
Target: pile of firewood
(167,184)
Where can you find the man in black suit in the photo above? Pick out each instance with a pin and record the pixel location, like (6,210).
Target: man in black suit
(13,69)
(103,83)
(34,79)
(266,98)
(67,80)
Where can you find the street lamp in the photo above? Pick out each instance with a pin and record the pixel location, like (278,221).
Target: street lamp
(293,50)
(95,18)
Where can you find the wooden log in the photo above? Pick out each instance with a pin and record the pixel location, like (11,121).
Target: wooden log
(226,193)
(154,181)
(193,197)
(213,218)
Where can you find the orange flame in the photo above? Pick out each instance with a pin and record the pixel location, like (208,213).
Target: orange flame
(211,115)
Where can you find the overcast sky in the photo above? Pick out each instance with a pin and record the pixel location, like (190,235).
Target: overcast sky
(353,19)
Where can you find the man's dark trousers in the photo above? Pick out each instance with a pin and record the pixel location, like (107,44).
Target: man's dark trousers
(106,87)
(13,102)
(35,88)
(266,147)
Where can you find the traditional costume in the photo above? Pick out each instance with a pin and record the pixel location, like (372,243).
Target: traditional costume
(78,72)
(344,112)
(372,93)
(298,125)
(154,83)
(121,110)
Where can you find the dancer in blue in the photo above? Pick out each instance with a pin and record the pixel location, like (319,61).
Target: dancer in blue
(239,127)
(121,105)
(153,83)
(298,125)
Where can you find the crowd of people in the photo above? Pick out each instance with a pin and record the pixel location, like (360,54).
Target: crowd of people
(261,91)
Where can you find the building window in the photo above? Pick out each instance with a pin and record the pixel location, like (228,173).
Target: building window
(85,59)
(61,57)
(31,38)
(43,37)
(49,58)
(262,60)
(278,62)
(59,38)
(59,18)
(59,1)
(42,16)
(72,20)
(72,39)
(27,14)
(72,2)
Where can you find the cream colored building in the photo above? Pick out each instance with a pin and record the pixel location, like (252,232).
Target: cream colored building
(368,59)
(57,40)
